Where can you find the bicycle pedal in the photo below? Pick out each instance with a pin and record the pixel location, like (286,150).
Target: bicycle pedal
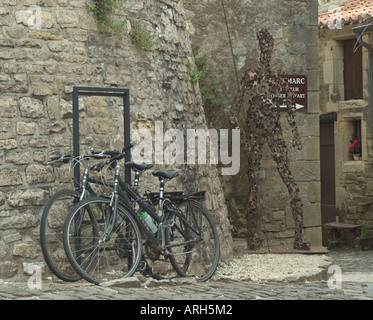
(142,266)
(148,272)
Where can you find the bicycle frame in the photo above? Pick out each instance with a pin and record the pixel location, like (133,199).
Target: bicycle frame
(119,195)
(125,194)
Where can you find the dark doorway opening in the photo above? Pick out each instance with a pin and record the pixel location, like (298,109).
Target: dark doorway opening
(327,173)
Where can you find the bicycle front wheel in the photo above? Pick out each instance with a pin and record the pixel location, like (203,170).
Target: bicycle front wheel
(193,241)
(51,233)
(97,251)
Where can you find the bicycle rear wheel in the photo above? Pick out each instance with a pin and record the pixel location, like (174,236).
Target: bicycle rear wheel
(51,233)
(96,253)
(193,241)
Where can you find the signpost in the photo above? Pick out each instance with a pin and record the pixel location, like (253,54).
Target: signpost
(298,85)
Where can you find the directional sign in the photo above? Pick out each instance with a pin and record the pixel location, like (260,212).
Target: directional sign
(297,84)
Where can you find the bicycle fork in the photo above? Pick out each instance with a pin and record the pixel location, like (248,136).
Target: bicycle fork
(111,215)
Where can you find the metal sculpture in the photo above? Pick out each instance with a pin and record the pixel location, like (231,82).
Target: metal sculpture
(259,94)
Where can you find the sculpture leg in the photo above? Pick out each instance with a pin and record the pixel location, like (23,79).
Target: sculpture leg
(253,241)
(279,152)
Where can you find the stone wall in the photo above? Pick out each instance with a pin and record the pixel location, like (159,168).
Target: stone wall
(38,70)
(230,49)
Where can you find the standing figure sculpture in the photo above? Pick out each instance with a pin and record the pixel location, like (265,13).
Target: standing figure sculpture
(259,94)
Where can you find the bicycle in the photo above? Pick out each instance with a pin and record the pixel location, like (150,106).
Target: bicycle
(58,206)
(183,228)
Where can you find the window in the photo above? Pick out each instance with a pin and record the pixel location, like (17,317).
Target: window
(352,132)
(357,130)
(357,133)
(353,70)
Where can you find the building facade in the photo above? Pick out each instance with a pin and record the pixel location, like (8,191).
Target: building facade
(345,108)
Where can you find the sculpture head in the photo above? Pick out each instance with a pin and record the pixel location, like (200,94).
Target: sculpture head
(266,46)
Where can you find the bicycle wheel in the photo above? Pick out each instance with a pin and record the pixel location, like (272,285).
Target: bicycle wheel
(51,233)
(95,252)
(193,240)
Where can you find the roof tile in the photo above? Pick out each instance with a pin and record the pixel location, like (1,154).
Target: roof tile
(351,12)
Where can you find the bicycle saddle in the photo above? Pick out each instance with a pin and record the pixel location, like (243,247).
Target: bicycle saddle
(138,166)
(166,174)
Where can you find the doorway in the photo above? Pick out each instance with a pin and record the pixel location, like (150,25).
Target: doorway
(327,173)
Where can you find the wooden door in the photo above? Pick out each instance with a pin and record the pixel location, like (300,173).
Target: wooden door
(353,70)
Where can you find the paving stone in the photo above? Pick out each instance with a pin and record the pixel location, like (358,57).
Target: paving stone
(359,289)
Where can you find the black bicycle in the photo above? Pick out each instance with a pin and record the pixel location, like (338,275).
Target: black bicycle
(103,236)
(59,204)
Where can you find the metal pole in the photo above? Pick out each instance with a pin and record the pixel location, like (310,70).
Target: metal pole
(127,134)
(76,146)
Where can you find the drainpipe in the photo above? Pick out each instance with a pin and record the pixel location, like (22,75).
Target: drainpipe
(359,34)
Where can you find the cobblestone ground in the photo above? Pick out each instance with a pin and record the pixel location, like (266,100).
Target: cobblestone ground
(356,284)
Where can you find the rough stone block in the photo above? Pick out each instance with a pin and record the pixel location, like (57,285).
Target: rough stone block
(8,144)
(12,237)
(67,18)
(18,158)
(131,282)
(25,128)
(42,89)
(48,127)
(10,177)
(96,107)
(8,269)
(66,109)
(3,250)
(104,127)
(9,107)
(6,126)
(19,221)
(38,143)
(31,108)
(25,250)
(37,173)
(28,197)
(52,107)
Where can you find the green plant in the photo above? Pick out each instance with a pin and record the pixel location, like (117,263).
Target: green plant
(366,231)
(195,73)
(141,35)
(198,70)
(209,85)
(211,92)
(102,10)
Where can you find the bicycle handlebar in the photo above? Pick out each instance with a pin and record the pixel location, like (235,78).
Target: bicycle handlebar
(111,154)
